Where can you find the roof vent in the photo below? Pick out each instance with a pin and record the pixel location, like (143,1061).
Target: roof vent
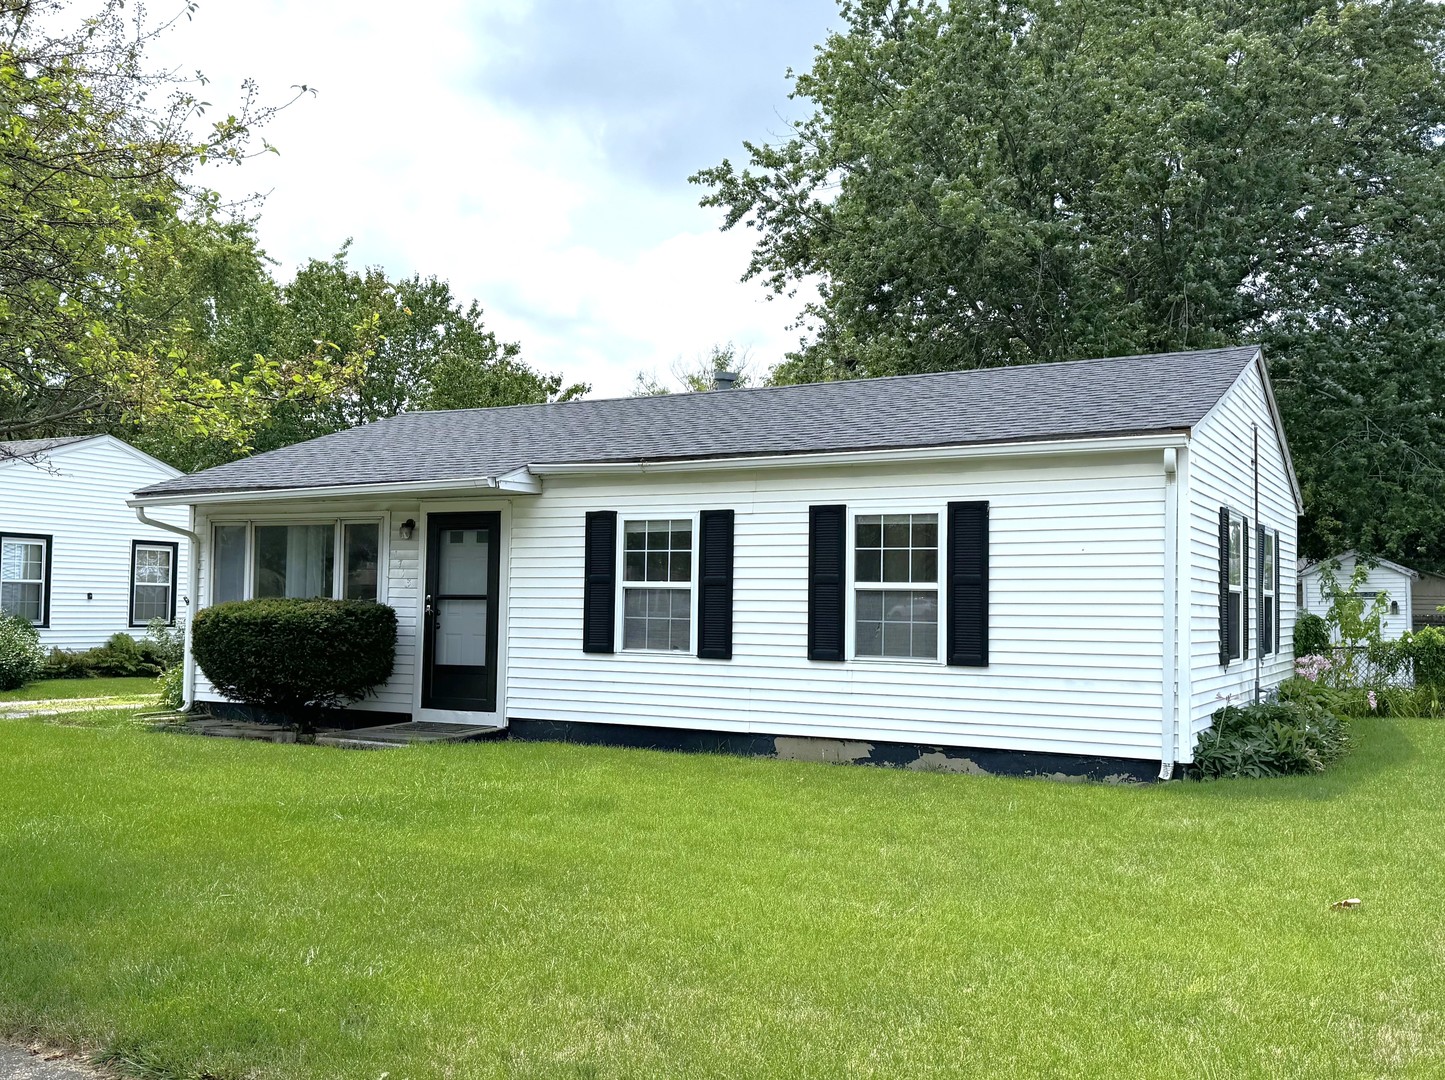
(724,380)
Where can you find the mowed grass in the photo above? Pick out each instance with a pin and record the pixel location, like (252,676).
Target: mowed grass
(208,907)
(63,689)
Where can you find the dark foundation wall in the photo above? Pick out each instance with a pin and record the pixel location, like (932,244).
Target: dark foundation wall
(976,762)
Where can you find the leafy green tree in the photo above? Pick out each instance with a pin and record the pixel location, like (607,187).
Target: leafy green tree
(96,210)
(986,183)
(700,375)
(404,345)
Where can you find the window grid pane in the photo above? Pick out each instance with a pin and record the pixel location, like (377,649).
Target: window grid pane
(658,619)
(896,622)
(22,578)
(891,548)
(658,551)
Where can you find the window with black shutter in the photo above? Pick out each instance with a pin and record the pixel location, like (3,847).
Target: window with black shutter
(1233,593)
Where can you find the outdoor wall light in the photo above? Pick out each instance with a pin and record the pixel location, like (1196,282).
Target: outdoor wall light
(408,529)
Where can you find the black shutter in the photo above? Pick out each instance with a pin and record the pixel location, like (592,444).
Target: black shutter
(827,534)
(967,570)
(599,592)
(1261,634)
(1224,650)
(715,585)
(1244,588)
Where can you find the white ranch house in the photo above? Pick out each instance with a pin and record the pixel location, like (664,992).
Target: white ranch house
(73,558)
(1067,565)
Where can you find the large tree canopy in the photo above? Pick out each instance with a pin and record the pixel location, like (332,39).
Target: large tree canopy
(985,183)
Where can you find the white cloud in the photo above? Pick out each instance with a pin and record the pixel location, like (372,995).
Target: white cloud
(597,274)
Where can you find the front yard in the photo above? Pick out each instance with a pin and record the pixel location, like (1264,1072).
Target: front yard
(208,907)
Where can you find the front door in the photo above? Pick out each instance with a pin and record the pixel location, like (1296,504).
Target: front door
(460,622)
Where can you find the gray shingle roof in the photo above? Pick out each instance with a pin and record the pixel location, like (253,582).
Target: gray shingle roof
(1082,398)
(19,448)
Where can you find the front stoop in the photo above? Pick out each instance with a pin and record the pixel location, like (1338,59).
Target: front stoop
(393,736)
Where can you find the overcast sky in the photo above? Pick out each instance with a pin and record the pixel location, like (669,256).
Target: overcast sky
(534,154)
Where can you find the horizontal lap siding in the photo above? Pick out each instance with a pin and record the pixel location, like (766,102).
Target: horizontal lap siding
(78,496)
(1076,611)
(402,584)
(1220,475)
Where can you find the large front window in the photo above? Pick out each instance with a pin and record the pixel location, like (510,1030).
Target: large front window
(296,559)
(24,573)
(657,585)
(895,578)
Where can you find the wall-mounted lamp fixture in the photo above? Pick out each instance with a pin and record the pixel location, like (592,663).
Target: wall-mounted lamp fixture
(1394,607)
(408,529)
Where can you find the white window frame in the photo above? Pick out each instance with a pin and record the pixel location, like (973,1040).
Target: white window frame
(174,551)
(620,624)
(1237,521)
(381,519)
(45,542)
(850,629)
(1269,589)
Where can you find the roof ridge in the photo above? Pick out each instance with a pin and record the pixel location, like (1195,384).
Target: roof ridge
(828,382)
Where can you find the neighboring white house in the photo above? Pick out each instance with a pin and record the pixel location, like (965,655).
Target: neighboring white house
(1393,583)
(74,559)
(1070,565)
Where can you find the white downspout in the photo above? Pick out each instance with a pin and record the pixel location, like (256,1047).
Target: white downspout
(1171,598)
(188,665)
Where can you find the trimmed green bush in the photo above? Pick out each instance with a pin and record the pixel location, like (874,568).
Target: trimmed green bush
(296,656)
(1311,634)
(21,657)
(1294,734)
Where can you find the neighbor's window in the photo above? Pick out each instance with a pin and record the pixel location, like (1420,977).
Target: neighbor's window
(895,578)
(23,576)
(1269,581)
(311,559)
(657,585)
(1236,613)
(152,582)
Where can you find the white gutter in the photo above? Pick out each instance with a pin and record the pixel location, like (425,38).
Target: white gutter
(332,490)
(866,457)
(1170,636)
(188,665)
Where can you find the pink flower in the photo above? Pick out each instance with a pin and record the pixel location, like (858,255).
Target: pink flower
(1370,697)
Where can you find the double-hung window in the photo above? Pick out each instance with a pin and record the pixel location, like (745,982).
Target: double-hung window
(253,559)
(152,582)
(1268,590)
(657,584)
(25,577)
(895,586)
(1236,611)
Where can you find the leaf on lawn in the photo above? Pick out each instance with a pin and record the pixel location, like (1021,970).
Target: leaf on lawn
(1346,905)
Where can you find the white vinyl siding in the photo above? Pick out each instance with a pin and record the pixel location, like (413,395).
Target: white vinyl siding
(1076,610)
(1218,473)
(77,497)
(1381,579)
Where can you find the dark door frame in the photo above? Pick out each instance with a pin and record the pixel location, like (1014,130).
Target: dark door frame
(436,525)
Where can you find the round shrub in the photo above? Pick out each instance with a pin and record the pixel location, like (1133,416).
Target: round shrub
(21,656)
(296,656)
(1311,634)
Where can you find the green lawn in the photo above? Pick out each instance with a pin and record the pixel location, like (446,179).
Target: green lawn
(61,689)
(209,907)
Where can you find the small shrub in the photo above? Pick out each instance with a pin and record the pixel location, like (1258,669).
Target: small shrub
(1293,733)
(1426,648)
(171,684)
(63,664)
(124,657)
(167,643)
(21,657)
(296,656)
(1311,634)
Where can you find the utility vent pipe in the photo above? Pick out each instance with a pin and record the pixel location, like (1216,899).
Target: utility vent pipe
(724,380)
